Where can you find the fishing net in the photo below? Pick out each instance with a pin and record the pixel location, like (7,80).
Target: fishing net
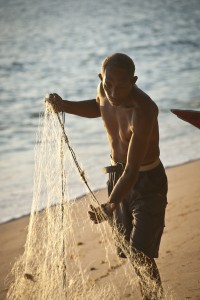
(52,265)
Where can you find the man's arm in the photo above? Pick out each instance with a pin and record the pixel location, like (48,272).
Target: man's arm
(85,108)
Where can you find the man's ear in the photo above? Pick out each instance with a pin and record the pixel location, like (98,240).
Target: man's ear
(100,76)
(134,79)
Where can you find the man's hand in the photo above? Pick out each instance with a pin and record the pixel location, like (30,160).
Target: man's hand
(101,213)
(55,101)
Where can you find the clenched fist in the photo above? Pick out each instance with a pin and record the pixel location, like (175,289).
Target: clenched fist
(55,101)
(101,213)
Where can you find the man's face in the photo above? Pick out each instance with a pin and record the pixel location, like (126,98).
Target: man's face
(117,84)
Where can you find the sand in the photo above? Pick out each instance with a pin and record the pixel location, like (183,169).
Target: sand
(179,261)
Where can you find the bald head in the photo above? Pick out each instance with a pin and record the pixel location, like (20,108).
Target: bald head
(119,60)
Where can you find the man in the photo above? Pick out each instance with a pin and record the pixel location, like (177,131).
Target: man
(137,183)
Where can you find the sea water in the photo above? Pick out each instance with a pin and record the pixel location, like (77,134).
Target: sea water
(58,46)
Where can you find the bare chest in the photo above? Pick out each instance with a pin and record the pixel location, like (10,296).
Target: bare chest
(118,122)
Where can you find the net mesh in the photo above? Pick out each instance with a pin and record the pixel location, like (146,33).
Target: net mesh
(53,265)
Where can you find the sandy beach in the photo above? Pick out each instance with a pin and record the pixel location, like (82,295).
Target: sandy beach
(179,261)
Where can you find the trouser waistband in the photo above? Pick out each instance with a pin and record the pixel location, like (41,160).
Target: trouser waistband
(119,167)
(151,166)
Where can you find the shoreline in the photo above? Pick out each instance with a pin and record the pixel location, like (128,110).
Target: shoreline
(179,255)
(77,198)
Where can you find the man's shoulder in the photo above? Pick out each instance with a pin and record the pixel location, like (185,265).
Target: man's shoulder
(101,97)
(145,110)
(100,90)
(146,103)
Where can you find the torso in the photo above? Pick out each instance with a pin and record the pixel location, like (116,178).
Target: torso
(120,122)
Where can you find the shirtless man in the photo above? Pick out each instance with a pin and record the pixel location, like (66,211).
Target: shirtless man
(137,183)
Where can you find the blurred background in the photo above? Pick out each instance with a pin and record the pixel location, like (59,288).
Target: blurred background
(58,46)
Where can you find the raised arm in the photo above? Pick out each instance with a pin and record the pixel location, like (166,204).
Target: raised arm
(85,108)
